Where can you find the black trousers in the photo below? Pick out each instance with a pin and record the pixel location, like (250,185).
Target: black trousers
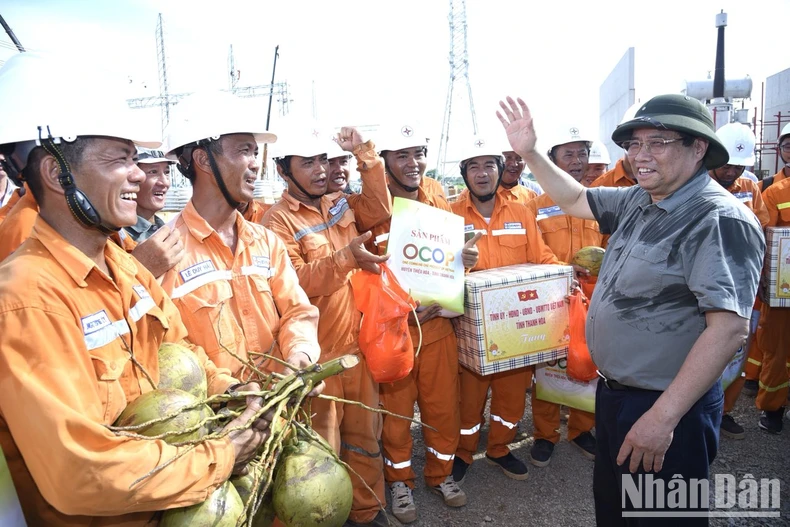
(694,446)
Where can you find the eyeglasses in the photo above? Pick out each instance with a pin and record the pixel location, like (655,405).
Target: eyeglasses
(652,146)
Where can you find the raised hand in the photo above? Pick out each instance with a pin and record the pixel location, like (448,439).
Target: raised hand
(348,138)
(516,119)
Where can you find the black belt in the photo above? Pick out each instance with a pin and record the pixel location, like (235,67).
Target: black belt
(614,385)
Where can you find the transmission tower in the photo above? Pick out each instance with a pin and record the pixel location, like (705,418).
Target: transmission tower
(233,73)
(459,71)
(165,99)
(161,57)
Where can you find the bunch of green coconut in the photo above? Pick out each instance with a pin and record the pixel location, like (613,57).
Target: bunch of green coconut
(296,475)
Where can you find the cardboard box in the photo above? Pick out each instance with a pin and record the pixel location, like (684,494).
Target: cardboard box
(775,286)
(514,316)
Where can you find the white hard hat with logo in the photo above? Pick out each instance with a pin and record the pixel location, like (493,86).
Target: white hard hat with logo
(739,141)
(569,134)
(303,138)
(478,145)
(207,116)
(599,155)
(83,104)
(399,135)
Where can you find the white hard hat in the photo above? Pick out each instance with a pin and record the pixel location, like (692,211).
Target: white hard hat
(210,115)
(148,156)
(400,135)
(785,132)
(476,146)
(599,155)
(303,138)
(569,134)
(79,104)
(739,141)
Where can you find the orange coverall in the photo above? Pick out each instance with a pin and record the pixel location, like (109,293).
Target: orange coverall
(565,235)
(239,304)
(19,224)
(773,332)
(256,210)
(318,246)
(68,335)
(511,237)
(5,209)
(519,193)
(432,384)
(779,176)
(616,177)
(749,194)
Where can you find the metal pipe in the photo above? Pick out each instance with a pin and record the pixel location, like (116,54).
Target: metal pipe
(11,35)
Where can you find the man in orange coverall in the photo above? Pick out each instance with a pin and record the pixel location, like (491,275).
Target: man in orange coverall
(510,236)
(739,141)
(69,290)
(565,235)
(754,362)
(322,234)
(509,187)
(773,332)
(236,290)
(433,382)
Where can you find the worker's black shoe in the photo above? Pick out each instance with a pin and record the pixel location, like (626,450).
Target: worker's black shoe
(513,467)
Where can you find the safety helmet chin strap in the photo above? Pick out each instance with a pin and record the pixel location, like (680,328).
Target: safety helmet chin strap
(485,197)
(283,163)
(78,202)
(401,185)
(217,174)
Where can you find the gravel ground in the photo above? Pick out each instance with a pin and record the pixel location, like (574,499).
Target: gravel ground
(560,495)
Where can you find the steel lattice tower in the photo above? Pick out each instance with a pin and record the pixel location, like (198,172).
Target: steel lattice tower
(459,70)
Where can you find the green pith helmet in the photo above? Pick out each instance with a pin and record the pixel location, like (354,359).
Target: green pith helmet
(682,114)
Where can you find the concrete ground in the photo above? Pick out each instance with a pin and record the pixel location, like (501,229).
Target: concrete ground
(560,495)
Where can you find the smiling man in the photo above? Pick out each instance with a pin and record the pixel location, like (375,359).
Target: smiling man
(510,236)
(673,299)
(82,320)
(151,196)
(235,287)
(325,235)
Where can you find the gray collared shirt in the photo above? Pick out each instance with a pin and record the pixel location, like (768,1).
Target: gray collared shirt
(668,263)
(144,229)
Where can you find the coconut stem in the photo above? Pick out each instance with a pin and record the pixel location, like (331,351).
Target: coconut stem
(376,410)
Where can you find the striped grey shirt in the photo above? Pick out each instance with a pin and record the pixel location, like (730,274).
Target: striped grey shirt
(667,264)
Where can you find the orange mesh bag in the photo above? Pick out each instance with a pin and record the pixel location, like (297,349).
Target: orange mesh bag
(580,364)
(384,334)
